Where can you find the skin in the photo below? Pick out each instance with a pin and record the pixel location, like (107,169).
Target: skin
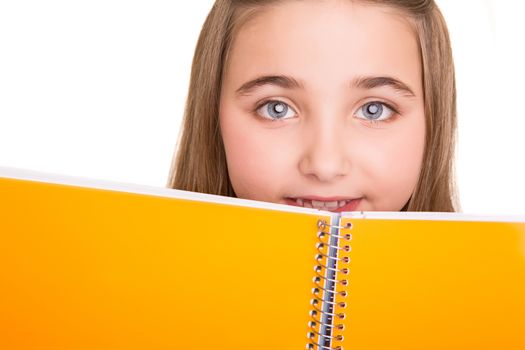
(327,139)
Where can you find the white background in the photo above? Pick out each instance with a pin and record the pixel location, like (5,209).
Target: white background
(97,89)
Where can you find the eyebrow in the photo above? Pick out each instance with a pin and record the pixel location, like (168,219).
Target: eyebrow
(286,82)
(375,82)
(282,81)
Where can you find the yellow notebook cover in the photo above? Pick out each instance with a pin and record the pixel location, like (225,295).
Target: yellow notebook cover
(99,265)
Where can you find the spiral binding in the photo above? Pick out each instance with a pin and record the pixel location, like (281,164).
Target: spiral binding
(324,325)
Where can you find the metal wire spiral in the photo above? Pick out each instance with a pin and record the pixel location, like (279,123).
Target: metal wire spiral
(329,247)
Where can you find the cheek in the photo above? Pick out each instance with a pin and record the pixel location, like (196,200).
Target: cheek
(255,161)
(394,167)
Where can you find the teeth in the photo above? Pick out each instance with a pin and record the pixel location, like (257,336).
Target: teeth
(320,204)
(331,205)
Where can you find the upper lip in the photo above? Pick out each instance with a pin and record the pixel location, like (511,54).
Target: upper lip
(324,199)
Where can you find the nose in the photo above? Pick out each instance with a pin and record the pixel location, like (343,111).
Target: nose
(325,155)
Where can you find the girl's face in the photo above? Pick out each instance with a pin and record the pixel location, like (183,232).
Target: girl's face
(322,106)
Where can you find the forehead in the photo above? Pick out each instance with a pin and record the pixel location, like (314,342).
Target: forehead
(329,41)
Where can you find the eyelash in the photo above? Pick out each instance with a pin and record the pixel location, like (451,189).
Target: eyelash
(265,102)
(370,121)
(373,122)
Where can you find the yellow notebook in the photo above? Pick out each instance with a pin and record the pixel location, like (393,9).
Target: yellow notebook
(97,265)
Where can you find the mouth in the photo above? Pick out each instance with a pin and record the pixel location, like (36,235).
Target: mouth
(334,204)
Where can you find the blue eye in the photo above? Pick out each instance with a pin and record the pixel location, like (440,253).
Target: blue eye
(275,110)
(374,111)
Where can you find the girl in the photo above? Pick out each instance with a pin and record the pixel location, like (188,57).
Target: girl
(339,105)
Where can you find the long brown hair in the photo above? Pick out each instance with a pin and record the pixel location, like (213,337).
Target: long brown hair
(200,165)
